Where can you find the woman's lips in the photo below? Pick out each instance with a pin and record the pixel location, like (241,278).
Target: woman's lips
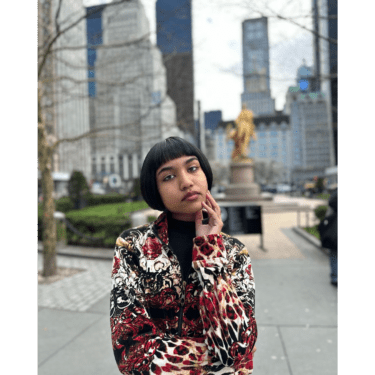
(191,197)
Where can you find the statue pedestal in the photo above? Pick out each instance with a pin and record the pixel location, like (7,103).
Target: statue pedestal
(242,186)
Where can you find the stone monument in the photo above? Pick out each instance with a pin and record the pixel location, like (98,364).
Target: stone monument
(242,186)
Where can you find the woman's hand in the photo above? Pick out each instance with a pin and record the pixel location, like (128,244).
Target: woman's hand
(215,224)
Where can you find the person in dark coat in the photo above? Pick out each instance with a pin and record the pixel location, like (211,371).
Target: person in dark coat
(328,234)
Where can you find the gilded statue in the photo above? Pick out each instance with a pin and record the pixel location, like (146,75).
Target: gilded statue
(242,133)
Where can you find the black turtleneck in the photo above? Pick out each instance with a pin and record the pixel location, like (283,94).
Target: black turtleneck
(180,236)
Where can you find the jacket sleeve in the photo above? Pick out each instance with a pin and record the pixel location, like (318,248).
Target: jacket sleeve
(139,345)
(228,299)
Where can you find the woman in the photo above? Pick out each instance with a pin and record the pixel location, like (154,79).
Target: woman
(183,292)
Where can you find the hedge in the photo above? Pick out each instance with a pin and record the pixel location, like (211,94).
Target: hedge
(65,204)
(96,200)
(313,230)
(104,222)
(106,229)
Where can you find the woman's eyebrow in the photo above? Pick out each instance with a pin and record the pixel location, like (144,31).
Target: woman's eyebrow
(164,169)
(191,159)
(169,168)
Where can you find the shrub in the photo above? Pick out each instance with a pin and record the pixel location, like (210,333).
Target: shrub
(64,204)
(95,200)
(78,189)
(320,212)
(136,194)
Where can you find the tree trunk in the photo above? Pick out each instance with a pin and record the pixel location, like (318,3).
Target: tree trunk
(49,224)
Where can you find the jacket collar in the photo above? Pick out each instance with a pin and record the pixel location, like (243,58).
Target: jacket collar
(161,227)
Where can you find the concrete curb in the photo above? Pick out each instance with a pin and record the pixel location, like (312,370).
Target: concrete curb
(82,252)
(310,238)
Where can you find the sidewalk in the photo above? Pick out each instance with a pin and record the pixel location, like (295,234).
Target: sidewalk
(296,308)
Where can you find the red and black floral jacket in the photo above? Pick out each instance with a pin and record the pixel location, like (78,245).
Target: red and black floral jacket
(161,323)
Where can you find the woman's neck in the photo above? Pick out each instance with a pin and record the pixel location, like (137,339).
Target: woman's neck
(183,217)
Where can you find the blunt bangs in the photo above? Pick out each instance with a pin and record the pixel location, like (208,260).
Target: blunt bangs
(162,152)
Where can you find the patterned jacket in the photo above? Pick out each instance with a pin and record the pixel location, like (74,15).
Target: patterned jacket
(160,323)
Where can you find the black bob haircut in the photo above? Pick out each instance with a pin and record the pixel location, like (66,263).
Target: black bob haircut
(166,150)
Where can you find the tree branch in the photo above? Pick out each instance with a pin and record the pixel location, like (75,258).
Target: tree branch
(94,132)
(57,26)
(61,32)
(104,46)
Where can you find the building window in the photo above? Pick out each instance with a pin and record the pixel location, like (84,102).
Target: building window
(112,165)
(130,161)
(121,166)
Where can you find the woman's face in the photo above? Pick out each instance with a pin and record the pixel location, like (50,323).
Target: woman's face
(182,186)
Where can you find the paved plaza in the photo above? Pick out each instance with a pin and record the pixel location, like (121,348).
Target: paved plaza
(80,291)
(296,309)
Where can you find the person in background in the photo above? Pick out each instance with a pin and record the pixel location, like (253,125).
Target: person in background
(328,235)
(183,292)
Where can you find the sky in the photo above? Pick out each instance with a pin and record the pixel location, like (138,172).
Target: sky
(217,47)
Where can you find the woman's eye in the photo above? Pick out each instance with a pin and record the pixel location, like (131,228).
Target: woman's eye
(167,178)
(193,169)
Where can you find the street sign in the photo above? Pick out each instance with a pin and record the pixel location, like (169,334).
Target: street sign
(114,181)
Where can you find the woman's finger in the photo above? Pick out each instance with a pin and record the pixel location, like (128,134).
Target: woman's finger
(209,208)
(213,215)
(213,203)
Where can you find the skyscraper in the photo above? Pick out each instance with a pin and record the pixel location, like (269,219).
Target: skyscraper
(174,38)
(256,71)
(94,31)
(311,134)
(130,95)
(94,39)
(325,55)
(212,119)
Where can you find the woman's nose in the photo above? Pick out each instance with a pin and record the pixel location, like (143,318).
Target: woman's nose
(185,180)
